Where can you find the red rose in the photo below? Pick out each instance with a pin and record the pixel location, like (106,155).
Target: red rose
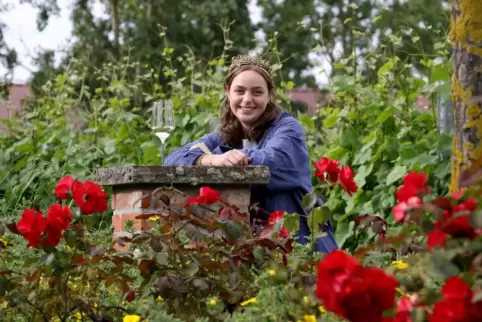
(206,196)
(400,209)
(455,223)
(347,288)
(89,197)
(406,192)
(405,306)
(59,217)
(327,169)
(63,187)
(435,238)
(416,179)
(274,218)
(53,236)
(414,184)
(346,180)
(32,226)
(457,304)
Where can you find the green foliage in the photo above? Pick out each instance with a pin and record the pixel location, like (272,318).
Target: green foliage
(377,129)
(74,128)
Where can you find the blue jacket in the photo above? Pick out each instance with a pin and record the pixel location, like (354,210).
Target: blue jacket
(283,149)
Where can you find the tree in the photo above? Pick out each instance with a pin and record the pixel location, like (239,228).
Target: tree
(146,30)
(8,55)
(336,31)
(466,38)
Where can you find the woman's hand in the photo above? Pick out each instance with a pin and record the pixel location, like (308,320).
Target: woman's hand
(230,158)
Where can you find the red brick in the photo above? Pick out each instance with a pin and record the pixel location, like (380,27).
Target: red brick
(119,222)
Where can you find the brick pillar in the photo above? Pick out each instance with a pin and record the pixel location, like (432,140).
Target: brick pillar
(130,183)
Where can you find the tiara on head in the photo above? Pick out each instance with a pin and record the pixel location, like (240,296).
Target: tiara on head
(242,60)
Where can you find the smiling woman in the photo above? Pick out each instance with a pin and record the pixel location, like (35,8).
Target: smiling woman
(255,131)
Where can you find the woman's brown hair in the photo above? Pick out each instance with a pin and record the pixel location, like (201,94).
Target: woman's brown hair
(231,130)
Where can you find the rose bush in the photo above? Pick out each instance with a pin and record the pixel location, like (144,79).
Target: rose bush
(213,265)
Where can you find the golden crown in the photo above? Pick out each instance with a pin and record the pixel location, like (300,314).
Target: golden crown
(242,60)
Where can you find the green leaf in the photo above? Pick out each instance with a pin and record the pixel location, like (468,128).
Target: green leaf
(318,216)
(407,153)
(361,174)
(375,19)
(309,200)
(46,259)
(259,253)
(384,115)
(349,139)
(191,269)
(233,230)
(388,66)
(343,231)
(330,121)
(307,122)
(70,238)
(3,285)
(444,266)
(475,219)
(162,259)
(292,223)
(396,174)
(200,284)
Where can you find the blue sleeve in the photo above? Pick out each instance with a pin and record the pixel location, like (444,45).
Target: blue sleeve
(185,156)
(286,155)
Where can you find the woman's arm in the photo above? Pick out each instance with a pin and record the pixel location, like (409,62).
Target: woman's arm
(186,156)
(286,155)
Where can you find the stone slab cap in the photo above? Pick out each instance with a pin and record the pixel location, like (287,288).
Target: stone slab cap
(190,175)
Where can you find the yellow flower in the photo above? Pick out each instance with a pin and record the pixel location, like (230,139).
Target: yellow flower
(132,318)
(271,272)
(159,299)
(212,302)
(399,264)
(155,218)
(307,300)
(78,316)
(5,304)
(251,300)
(309,318)
(4,240)
(322,309)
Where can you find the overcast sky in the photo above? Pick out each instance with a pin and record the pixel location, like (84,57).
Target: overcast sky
(22,33)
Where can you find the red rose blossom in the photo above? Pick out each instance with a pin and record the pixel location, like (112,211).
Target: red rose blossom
(89,197)
(326,169)
(346,180)
(31,226)
(347,288)
(400,209)
(59,217)
(274,218)
(64,187)
(414,184)
(206,196)
(457,304)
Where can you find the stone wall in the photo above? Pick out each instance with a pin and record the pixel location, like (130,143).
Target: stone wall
(131,184)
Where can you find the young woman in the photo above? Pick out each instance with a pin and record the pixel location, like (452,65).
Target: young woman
(255,131)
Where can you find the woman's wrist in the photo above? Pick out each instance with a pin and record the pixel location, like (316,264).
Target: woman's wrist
(205,159)
(199,161)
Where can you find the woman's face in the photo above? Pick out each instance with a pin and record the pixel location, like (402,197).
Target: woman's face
(248,97)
